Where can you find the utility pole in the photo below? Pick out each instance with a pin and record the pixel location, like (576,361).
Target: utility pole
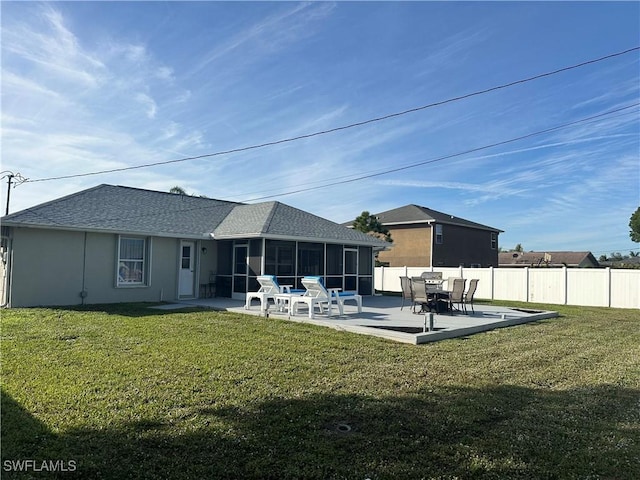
(10,176)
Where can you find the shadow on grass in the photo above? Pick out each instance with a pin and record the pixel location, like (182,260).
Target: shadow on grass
(134,310)
(499,432)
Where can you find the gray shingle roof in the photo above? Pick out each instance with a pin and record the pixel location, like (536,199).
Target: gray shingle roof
(417,214)
(131,210)
(275,219)
(125,209)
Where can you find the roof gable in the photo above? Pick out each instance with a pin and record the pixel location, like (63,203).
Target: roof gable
(275,219)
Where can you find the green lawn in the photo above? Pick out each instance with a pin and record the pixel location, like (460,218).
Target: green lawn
(129,392)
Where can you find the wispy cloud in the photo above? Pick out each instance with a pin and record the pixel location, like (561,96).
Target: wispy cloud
(28,87)
(149,104)
(65,114)
(268,35)
(54,49)
(451,50)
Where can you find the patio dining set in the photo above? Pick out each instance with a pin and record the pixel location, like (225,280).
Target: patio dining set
(428,293)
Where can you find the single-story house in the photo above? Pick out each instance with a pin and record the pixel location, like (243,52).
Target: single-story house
(547,259)
(423,237)
(111,244)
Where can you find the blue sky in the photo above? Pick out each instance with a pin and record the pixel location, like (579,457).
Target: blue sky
(93,86)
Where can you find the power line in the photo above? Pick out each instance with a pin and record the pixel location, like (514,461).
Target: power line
(379,173)
(446,157)
(343,127)
(354,175)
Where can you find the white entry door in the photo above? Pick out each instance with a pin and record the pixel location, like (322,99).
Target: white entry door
(187,278)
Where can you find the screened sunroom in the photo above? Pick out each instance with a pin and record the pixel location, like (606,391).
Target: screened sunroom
(240,262)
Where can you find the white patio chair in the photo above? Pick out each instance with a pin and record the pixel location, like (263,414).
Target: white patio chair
(269,288)
(318,295)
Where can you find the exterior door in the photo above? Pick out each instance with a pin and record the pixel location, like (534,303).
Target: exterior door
(187,275)
(240,269)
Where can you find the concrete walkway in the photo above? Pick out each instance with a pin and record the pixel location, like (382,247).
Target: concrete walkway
(381,316)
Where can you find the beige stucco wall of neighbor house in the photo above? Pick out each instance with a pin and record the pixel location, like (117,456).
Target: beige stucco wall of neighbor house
(52,267)
(411,246)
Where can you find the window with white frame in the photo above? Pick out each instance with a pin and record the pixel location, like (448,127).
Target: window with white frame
(132,261)
(439,235)
(494,241)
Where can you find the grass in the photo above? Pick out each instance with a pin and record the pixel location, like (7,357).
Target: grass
(128,392)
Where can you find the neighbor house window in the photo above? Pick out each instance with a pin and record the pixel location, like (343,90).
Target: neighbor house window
(494,241)
(439,236)
(132,261)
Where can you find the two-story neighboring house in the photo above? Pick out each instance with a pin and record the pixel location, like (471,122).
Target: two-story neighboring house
(423,237)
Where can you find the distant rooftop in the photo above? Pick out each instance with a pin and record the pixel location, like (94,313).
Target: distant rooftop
(537,259)
(410,214)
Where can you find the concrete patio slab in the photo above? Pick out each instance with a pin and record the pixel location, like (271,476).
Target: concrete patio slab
(382,316)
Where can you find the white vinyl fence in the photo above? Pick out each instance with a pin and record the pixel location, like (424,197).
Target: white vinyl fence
(606,287)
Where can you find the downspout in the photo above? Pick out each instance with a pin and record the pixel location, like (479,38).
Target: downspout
(7,259)
(373,274)
(431,246)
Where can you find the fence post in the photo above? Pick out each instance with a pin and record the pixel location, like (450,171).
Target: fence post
(566,284)
(526,286)
(608,286)
(491,282)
